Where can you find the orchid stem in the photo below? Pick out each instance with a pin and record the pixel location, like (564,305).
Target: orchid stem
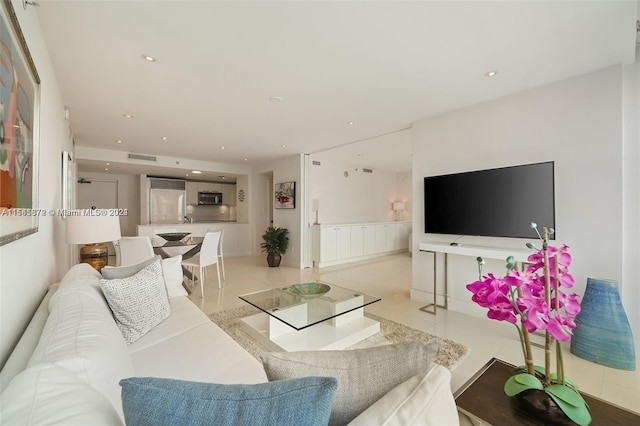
(525,340)
(547,295)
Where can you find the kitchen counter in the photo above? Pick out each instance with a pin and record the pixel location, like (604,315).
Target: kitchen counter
(237,236)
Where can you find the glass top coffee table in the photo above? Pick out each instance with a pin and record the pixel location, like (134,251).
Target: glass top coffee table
(331,317)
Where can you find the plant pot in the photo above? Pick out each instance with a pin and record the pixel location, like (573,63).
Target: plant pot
(540,405)
(273,259)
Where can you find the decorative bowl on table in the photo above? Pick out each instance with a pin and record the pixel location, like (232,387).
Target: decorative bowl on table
(174,236)
(309,290)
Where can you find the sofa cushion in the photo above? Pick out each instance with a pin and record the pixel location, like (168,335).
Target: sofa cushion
(48,394)
(204,353)
(364,375)
(424,399)
(173,276)
(81,336)
(154,401)
(171,271)
(114,272)
(138,302)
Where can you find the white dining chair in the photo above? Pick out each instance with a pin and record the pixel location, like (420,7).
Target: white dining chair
(133,250)
(208,256)
(220,251)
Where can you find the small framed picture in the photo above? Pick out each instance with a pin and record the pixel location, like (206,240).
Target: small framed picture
(285,195)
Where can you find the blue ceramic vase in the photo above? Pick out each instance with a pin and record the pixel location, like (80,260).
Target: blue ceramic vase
(602,334)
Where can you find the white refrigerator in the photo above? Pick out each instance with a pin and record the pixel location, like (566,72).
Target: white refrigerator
(166,205)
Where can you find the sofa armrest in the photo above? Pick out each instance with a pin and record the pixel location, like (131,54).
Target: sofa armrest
(421,400)
(21,354)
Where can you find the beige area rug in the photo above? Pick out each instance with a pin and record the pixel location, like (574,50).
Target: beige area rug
(449,353)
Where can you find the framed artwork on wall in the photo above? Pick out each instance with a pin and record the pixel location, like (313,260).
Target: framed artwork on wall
(19,132)
(285,195)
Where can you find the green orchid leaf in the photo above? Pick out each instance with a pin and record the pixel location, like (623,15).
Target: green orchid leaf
(566,394)
(539,369)
(579,415)
(521,382)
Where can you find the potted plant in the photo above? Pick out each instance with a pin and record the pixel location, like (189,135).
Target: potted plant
(276,242)
(534,299)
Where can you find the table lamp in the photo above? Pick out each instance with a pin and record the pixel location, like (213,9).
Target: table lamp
(93,232)
(398,207)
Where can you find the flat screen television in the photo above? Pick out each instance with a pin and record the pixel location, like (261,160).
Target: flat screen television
(494,203)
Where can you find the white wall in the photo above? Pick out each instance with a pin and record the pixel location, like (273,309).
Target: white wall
(358,197)
(128,187)
(578,124)
(30,264)
(286,170)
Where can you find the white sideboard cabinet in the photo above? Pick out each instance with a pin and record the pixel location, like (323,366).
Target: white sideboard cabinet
(343,243)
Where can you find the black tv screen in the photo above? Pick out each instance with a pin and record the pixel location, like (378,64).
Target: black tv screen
(494,203)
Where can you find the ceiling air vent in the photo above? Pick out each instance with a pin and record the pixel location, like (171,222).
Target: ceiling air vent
(315,163)
(367,170)
(142,157)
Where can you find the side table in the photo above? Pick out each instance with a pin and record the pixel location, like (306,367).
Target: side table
(483,400)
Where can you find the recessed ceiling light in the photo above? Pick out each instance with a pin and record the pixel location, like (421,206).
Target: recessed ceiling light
(106,169)
(164,138)
(246,159)
(108,164)
(127,115)
(491,73)
(148,58)
(222,177)
(351,123)
(275,99)
(283,146)
(187,174)
(222,147)
(119,141)
(196,172)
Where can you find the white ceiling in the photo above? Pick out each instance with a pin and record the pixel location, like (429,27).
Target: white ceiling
(382,65)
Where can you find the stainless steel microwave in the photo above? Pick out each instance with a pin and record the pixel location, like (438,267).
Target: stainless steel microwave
(209,198)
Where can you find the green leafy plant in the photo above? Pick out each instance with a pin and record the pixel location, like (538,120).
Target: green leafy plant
(276,240)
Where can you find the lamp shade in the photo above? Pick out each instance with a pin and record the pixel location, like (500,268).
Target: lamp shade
(92,229)
(398,206)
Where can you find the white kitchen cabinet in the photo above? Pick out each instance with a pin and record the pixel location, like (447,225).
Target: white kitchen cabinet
(192,192)
(209,187)
(229,194)
(336,244)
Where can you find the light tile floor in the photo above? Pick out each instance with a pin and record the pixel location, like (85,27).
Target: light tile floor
(390,279)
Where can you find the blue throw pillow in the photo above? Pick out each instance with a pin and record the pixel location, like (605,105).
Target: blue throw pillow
(154,401)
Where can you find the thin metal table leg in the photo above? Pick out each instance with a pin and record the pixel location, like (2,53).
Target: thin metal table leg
(435,305)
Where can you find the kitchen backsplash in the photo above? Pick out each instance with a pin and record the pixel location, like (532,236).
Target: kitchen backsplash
(211,213)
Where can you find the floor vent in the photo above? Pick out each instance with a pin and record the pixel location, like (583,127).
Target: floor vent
(367,170)
(315,163)
(142,157)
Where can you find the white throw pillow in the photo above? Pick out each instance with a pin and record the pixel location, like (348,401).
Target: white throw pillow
(47,394)
(139,302)
(424,399)
(173,276)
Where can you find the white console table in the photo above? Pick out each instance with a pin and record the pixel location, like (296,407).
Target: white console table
(519,255)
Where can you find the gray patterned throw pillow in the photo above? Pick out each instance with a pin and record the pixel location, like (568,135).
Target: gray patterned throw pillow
(364,375)
(138,302)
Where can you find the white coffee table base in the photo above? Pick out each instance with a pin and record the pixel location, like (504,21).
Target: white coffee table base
(277,336)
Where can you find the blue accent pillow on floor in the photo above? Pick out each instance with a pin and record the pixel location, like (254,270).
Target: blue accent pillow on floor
(154,401)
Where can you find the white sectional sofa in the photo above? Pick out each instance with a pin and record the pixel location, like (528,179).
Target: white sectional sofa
(68,364)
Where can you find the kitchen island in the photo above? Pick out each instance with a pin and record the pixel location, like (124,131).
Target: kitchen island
(237,236)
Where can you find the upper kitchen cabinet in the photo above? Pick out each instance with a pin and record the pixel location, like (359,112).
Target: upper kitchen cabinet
(192,193)
(209,187)
(229,194)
